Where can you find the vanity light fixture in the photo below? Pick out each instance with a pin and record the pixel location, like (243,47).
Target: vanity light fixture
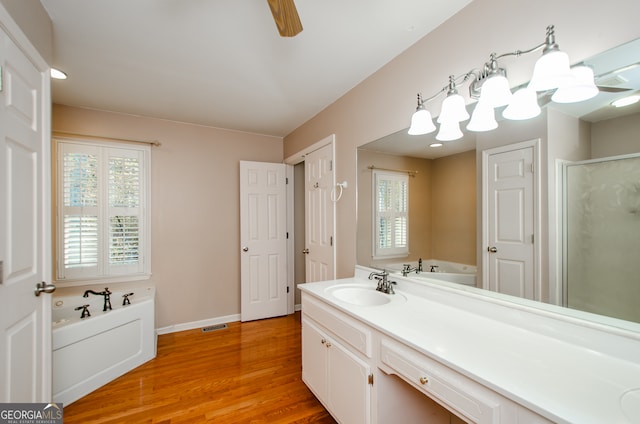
(580,87)
(421,121)
(491,87)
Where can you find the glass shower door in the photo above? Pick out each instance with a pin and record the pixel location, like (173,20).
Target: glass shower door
(602,237)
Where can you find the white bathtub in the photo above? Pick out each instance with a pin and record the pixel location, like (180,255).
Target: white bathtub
(443,270)
(90,352)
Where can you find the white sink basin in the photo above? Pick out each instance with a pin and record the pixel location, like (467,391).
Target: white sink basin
(360,295)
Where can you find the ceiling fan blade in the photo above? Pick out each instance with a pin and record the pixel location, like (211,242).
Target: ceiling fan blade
(286,17)
(613,89)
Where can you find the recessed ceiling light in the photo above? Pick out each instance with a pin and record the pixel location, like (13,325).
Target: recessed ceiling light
(626,101)
(58,74)
(436,144)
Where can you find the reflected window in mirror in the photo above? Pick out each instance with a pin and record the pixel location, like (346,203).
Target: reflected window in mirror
(391,220)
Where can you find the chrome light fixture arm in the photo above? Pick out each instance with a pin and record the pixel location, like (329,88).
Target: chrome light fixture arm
(451,87)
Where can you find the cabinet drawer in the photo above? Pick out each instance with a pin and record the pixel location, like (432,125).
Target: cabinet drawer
(339,324)
(451,389)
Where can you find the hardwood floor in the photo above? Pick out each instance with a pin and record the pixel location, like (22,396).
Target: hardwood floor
(248,373)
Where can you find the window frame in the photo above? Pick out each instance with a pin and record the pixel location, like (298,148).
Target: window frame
(394,251)
(103,271)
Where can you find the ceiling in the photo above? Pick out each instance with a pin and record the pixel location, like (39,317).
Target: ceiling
(221,63)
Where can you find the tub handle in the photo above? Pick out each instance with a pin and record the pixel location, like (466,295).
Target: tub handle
(44,288)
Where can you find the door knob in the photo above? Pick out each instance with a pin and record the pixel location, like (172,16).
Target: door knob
(492,249)
(305,251)
(245,249)
(44,288)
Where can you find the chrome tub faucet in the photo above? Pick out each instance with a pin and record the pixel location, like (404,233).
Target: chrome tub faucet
(107,297)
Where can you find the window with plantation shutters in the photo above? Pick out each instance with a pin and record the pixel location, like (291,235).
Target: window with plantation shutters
(391,214)
(102,193)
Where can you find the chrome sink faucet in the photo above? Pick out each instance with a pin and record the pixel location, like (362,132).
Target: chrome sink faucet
(384,284)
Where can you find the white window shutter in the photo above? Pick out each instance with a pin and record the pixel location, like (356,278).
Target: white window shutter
(102,214)
(391,214)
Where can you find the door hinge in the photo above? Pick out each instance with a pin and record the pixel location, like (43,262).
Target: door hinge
(286,180)
(531,168)
(287,235)
(331,241)
(532,238)
(370,379)
(331,165)
(287,289)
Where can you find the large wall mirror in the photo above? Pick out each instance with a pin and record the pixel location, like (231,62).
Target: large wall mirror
(445,185)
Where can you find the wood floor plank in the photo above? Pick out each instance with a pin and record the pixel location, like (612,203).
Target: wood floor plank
(247,373)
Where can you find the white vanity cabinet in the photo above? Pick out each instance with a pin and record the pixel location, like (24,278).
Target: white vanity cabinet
(337,372)
(341,354)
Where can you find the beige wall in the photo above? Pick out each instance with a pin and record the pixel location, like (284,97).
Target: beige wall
(453,206)
(194,207)
(34,21)
(383,103)
(620,136)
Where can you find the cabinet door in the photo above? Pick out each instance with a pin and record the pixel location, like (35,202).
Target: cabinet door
(314,360)
(348,390)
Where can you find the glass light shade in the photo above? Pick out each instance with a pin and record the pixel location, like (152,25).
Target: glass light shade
(421,122)
(495,91)
(551,71)
(453,109)
(582,87)
(524,105)
(483,118)
(449,130)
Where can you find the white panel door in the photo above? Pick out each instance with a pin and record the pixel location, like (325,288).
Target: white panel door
(263,240)
(25,255)
(511,223)
(319,215)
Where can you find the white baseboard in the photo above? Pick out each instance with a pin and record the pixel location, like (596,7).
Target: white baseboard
(297,307)
(198,324)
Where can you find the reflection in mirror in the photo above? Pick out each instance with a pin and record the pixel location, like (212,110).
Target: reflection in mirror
(602,236)
(444,229)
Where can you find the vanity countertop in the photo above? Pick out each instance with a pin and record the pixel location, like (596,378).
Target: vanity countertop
(554,376)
